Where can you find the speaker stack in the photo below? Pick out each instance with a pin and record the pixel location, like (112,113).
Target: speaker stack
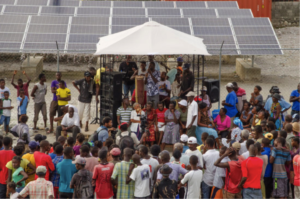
(111,95)
(213,89)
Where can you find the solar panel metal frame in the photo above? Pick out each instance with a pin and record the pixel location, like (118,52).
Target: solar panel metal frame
(138,12)
(32,2)
(50,20)
(20,10)
(50,29)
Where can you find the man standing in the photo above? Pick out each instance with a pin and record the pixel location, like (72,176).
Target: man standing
(69,123)
(164,90)
(241,96)
(230,102)
(38,94)
(192,115)
(124,113)
(152,78)
(84,98)
(151,59)
(178,70)
(187,83)
(40,188)
(126,66)
(295,99)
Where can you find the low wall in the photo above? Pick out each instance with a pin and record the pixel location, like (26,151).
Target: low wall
(285,14)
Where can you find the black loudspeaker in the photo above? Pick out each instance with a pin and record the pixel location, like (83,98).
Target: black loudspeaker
(213,87)
(111,95)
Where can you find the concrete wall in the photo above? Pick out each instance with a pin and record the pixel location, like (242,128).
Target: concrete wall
(285,14)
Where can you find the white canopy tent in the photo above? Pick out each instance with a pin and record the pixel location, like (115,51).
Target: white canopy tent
(151,38)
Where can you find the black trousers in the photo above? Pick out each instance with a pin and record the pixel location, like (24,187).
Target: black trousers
(75,130)
(65,195)
(268,186)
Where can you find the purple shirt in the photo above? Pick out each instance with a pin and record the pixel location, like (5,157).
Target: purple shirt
(55,84)
(76,150)
(177,169)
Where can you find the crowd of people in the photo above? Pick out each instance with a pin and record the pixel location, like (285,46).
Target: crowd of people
(249,149)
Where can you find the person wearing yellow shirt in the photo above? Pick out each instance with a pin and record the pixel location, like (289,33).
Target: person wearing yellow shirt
(96,75)
(33,146)
(63,96)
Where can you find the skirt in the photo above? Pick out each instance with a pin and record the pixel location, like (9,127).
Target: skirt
(171,134)
(162,128)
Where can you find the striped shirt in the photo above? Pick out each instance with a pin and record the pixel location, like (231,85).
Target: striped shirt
(281,157)
(124,114)
(38,189)
(54,175)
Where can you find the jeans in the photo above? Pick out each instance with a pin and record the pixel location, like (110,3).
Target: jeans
(75,130)
(205,190)
(252,193)
(65,195)
(19,189)
(5,120)
(128,88)
(3,190)
(154,99)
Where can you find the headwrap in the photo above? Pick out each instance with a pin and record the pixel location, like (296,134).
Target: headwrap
(238,122)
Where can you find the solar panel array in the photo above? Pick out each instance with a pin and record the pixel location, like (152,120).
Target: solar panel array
(34,25)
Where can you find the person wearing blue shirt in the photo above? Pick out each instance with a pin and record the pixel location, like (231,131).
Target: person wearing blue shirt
(230,102)
(268,179)
(22,104)
(284,104)
(103,130)
(66,169)
(295,99)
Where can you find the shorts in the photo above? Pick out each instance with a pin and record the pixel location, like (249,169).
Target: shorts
(4,120)
(191,132)
(84,110)
(40,107)
(232,195)
(281,191)
(53,108)
(162,128)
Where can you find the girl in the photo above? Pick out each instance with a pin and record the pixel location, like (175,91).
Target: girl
(246,116)
(19,176)
(160,125)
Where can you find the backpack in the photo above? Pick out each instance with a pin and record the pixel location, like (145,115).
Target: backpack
(84,187)
(94,137)
(126,141)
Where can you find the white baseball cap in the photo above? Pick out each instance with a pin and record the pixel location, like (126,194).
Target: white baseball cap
(229,85)
(183,102)
(191,93)
(184,138)
(192,140)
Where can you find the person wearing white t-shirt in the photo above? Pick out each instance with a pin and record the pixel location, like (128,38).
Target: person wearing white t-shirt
(244,137)
(69,123)
(193,180)
(3,88)
(248,143)
(192,143)
(141,175)
(146,159)
(192,116)
(209,158)
(11,186)
(123,127)
(164,89)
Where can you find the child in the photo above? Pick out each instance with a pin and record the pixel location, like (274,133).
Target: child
(201,148)
(193,179)
(268,179)
(21,130)
(22,104)
(79,141)
(115,153)
(155,150)
(263,125)
(103,169)
(21,85)
(258,135)
(265,163)
(142,177)
(82,178)
(18,176)
(5,107)
(53,154)
(12,190)
(236,131)
(192,143)
(283,134)
(91,162)
(63,96)
(39,138)
(54,175)
(70,142)
(33,146)
(183,140)
(289,129)
(95,151)
(3,88)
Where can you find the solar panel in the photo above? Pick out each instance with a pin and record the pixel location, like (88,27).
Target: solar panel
(128,21)
(81,47)
(81,29)
(12,46)
(76,38)
(21,10)
(128,4)
(265,49)
(172,21)
(115,29)
(226,50)
(5,19)
(256,40)
(235,13)
(32,2)
(199,12)
(210,22)
(94,11)
(48,29)
(12,28)
(163,12)
(43,46)
(129,12)
(250,22)
(228,40)
(32,37)
(159,4)
(212,31)
(63,3)
(90,21)
(222,4)
(186,29)
(58,11)
(47,20)
(96,4)
(190,4)
(7,2)
(14,37)
(253,30)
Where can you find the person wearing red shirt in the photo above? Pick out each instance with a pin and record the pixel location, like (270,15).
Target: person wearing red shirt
(42,159)
(101,176)
(6,155)
(296,173)
(251,170)
(160,128)
(20,84)
(233,173)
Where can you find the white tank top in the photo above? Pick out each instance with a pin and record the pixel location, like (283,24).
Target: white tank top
(40,93)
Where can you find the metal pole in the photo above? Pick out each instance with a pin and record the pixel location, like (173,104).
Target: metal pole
(202,71)
(28,59)
(220,63)
(57,57)
(198,64)
(252,60)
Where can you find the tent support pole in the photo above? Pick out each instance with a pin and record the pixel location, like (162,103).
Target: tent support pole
(198,66)
(252,61)
(220,63)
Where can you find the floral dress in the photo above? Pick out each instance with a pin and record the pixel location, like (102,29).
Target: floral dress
(273,113)
(171,134)
(150,118)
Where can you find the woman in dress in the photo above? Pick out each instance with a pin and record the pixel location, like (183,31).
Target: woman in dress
(205,98)
(275,111)
(151,120)
(160,125)
(246,116)
(256,97)
(204,124)
(223,123)
(183,116)
(171,134)
(135,120)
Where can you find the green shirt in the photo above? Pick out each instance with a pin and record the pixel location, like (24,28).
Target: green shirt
(124,190)
(16,176)
(183,116)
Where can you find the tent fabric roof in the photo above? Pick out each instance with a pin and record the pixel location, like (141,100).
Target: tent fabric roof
(151,38)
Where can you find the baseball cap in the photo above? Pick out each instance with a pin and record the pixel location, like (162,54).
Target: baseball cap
(269,136)
(184,138)
(186,66)
(191,93)
(115,152)
(183,102)
(229,85)
(179,59)
(33,144)
(236,146)
(124,123)
(41,169)
(87,74)
(192,140)
(80,161)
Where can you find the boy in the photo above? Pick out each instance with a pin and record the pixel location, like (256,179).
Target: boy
(268,180)
(289,129)
(58,149)
(193,179)
(248,143)
(3,88)
(141,175)
(283,134)
(21,130)
(5,107)
(265,163)
(81,176)
(192,143)
(91,162)
(21,85)
(280,157)
(166,188)
(70,142)
(79,141)
(63,95)
(22,104)
(33,146)
(102,175)
(115,153)
(12,190)
(66,169)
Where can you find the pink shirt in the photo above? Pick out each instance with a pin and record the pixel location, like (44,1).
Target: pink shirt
(222,125)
